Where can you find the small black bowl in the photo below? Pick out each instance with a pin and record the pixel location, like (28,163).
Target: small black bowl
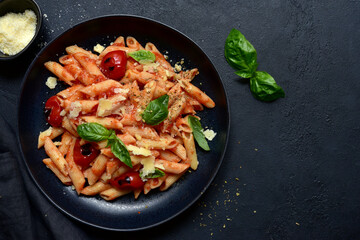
(19,6)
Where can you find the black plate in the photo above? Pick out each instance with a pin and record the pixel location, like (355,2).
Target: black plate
(156,207)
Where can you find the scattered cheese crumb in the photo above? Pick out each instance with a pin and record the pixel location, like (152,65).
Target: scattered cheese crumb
(98,48)
(63,113)
(297,223)
(16,31)
(75,109)
(209,134)
(139,150)
(177,67)
(57,143)
(51,82)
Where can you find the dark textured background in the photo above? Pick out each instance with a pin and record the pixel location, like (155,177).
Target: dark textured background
(291,170)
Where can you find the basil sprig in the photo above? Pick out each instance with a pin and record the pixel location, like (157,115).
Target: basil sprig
(158,173)
(156,111)
(95,132)
(142,56)
(242,56)
(198,133)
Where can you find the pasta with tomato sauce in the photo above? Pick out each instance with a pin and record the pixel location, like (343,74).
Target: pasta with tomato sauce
(123,121)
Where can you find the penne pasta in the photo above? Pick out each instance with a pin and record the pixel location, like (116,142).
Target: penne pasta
(76,175)
(55,155)
(50,133)
(128,152)
(95,189)
(51,165)
(60,72)
(197,94)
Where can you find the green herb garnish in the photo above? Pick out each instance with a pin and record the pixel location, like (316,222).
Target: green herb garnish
(95,132)
(158,173)
(142,56)
(198,133)
(156,111)
(242,56)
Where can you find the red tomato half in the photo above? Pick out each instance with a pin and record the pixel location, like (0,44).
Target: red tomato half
(129,180)
(113,65)
(52,110)
(85,154)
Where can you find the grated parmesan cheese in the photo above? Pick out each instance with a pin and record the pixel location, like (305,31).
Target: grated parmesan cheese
(16,31)
(51,82)
(177,67)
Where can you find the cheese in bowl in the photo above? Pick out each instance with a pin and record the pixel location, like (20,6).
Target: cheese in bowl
(16,31)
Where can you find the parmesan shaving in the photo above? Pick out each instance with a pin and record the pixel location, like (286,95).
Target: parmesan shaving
(98,48)
(209,134)
(46,133)
(148,166)
(51,82)
(63,113)
(75,109)
(104,108)
(139,151)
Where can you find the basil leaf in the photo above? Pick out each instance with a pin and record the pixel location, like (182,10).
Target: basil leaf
(93,132)
(264,87)
(118,148)
(197,132)
(158,173)
(156,111)
(240,54)
(142,56)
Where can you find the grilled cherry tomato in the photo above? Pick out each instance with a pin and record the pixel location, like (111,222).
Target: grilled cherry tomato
(129,180)
(52,110)
(85,154)
(113,65)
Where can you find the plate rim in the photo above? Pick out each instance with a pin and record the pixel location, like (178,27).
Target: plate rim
(82,220)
